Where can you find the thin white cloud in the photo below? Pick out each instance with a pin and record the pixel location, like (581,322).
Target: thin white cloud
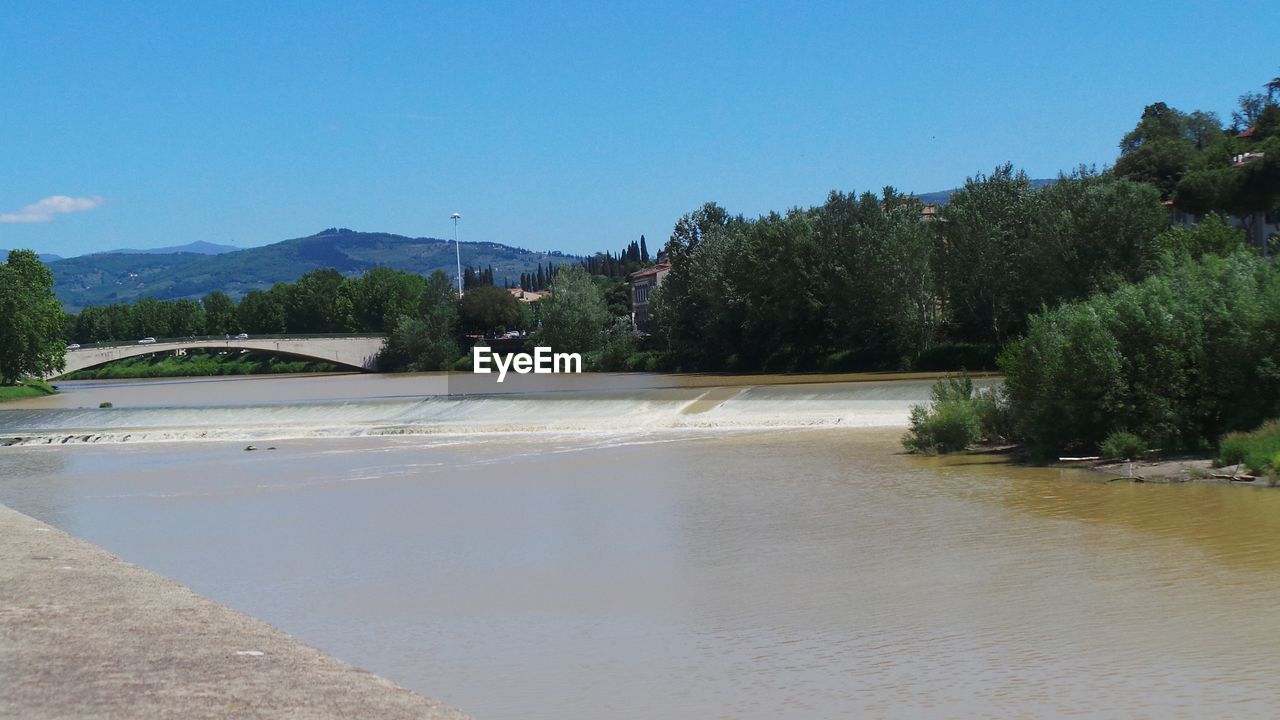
(50,207)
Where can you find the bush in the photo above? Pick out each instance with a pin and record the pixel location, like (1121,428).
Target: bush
(994,416)
(1123,445)
(946,427)
(1179,359)
(104,405)
(1257,449)
(1234,449)
(950,423)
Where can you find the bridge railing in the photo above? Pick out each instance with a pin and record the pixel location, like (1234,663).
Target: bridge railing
(227,338)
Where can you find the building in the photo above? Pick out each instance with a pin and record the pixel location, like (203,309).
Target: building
(1259,227)
(528,296)
(641,285)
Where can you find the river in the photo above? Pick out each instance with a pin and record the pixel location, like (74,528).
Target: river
(673,548)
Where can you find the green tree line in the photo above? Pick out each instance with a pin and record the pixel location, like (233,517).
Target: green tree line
(321,301)
(871,281)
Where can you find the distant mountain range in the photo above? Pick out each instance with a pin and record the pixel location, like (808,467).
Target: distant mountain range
(942,197)
(45,258)
(200,268)
(198,247)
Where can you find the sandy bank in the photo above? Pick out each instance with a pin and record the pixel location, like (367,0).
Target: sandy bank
(1179,470)
(84,634)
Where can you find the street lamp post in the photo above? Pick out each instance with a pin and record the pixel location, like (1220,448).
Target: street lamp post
(457,249)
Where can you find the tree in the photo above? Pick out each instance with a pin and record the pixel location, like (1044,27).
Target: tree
(986,252)
(426,340)
(574,316)
(1210,236)
(382,295)
(1092,233)
(1207,190)
(311,304)
(881,298)
(1203,128)
(1268,124)
(488,310)
(219,314)
(1161,162)
(31,319)
(1251,105)
(1161,147)
(262,311)
(1158,122)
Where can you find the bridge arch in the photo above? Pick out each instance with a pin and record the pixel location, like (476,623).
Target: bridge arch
(358,352)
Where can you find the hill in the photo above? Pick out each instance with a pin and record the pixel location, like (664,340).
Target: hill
(106,278)
(44,257)
(198,247)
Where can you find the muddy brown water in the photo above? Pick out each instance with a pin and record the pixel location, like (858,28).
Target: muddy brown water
(682,552)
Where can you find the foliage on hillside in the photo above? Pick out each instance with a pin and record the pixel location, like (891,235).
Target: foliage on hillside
(102,279)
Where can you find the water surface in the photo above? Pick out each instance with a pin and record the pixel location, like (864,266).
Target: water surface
(739,570)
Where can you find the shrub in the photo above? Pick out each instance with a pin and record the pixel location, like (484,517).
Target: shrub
(952,388)
(1257,449)
(950,423)
(1123,446)
(1179,359)
(1234,449)
(104,405)
(946,427)
(994,415)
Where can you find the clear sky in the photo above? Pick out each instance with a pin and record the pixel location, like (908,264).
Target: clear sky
(566,126)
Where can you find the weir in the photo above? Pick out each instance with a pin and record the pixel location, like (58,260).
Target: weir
(855,404)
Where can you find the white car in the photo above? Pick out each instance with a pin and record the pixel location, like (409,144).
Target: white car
(146,341)
(73,346)
(242,336)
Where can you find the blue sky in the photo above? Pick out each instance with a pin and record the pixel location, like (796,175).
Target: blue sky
(564,126)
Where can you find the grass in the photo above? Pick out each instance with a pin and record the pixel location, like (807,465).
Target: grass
(1257,449)
(28,388)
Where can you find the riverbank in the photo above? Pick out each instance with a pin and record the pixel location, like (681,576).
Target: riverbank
(1180,470)
(26,389)
(1168,470)
(84,634)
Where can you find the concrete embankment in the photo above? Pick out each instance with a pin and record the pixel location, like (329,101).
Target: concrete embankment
(84,634)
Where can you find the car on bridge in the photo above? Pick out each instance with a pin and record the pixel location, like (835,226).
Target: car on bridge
(242,336)
(73,346)
(146,341)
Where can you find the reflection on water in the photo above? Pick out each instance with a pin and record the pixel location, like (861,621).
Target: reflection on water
(705,573)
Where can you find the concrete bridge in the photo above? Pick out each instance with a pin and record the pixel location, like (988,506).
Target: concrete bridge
(359,352)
